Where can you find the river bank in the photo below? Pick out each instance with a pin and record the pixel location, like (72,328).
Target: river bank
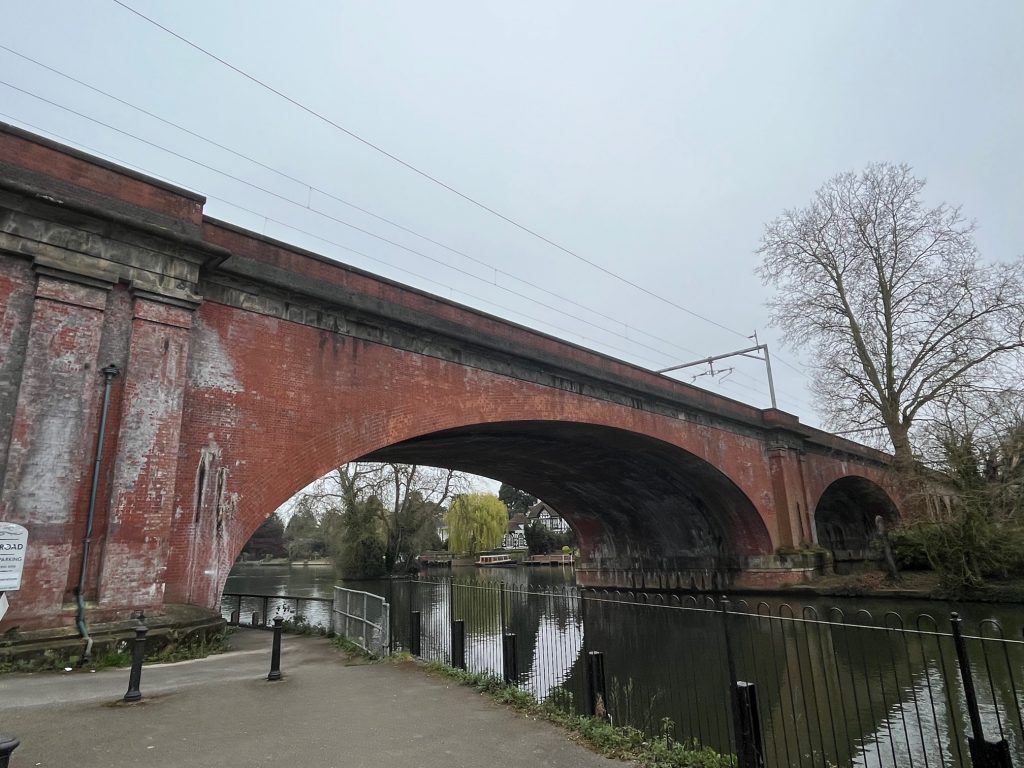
(871,584)
(910,585)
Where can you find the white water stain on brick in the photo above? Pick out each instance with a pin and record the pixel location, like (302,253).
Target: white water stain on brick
(152,407)
(46,492)
(210,365)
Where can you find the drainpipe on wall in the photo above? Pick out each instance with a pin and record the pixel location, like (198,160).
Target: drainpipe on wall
(108,377)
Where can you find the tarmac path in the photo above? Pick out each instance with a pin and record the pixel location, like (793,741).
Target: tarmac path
(221,711)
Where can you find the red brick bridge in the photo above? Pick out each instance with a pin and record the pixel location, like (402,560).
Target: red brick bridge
(248,368)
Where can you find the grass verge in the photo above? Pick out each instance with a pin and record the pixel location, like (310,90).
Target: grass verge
(119,655)
(618,742)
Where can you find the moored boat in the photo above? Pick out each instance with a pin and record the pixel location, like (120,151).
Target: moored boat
(495,561)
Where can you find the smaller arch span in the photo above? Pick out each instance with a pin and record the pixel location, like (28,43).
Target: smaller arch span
(845,517)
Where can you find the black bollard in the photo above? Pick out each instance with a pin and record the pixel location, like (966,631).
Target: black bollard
(275,652)
(984,754)
(510,665)
(415,633)
(7,745)
(598,693)
(459,644)
(749,742)
(138,654)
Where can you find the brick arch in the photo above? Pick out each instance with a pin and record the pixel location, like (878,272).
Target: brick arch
(271,405)
(629,496)
(249,366)
(844,515)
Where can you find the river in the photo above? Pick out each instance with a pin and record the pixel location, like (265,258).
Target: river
(872,692)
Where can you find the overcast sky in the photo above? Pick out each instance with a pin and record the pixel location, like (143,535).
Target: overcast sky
(652,139)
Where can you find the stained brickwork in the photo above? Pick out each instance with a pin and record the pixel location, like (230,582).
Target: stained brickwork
(249,368)
(17,291)
(48,448)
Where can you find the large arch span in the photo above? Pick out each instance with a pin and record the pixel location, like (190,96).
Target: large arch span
(644,492)
(627,495)
(246,368)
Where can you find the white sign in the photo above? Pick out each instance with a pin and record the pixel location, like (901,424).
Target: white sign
(4,605)
(13,545)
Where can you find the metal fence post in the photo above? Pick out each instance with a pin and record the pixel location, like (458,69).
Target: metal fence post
(583,619)
(459,644)
(366,636)
(510,664)
(746,724)
(415,633)
(749,743)
(389,603)
(138,654)
(984,754)
(7,745)
(597,699)
(501,605)
(275,651)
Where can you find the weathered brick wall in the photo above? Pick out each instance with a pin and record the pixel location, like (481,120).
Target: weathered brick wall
(17,289)
(49,447)
(75,233)
(249,369)
(138,525)
(272,405)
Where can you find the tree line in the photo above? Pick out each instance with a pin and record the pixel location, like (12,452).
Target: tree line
(373,519)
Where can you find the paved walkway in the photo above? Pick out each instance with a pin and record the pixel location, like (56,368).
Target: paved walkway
(221,711)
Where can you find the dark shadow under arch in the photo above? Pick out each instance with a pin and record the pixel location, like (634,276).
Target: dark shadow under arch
(844,518)
(632,500)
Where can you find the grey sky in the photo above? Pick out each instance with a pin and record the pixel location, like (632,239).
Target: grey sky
(654,139)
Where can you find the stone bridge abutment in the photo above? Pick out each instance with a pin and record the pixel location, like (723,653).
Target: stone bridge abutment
(248,368)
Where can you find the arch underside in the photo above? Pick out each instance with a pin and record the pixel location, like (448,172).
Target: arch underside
(845,517)
(632,500)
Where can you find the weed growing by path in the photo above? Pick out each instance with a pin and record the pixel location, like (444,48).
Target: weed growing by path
(118,654)
(620,742)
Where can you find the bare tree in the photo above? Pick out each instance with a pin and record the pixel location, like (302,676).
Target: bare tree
(407,498)
(890,295)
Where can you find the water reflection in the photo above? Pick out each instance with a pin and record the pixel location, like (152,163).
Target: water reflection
(839,682)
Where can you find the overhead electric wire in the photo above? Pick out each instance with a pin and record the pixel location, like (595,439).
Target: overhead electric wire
(386,220)
(419,276)
(311,187)
(323,118)
(335,219)
(265,217)
(332,196)
(292,227)
(362,230)
(363,254)
(336,244)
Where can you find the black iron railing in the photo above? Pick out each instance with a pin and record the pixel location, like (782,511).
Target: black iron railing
(773,684)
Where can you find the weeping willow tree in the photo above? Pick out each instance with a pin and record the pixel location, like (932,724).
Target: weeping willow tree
(476,522)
